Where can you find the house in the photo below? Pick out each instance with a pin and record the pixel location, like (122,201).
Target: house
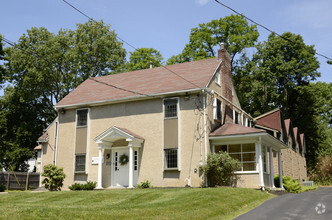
(158,124)
(293,163)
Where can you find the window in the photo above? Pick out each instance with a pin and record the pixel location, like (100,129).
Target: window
(116,161)
(245,153)
(135,160)
(82,117)
(217,78)
(80,163)
(171,108)
(171,158)
(217,109)
(236,117)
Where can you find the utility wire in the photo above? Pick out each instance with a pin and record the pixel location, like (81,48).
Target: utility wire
(130,45)
(287,39)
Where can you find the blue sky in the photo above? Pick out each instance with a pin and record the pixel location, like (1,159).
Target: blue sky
(165,25)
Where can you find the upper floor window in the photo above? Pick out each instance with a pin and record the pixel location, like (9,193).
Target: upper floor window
(236,117)
(217,78)
(170,108)
(82,117)
(217,109)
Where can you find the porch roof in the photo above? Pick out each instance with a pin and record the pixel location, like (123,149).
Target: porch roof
(116,133)
(234,129)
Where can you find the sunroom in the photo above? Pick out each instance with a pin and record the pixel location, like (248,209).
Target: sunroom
(254,149)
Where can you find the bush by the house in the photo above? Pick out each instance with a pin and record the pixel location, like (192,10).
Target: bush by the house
(322,175)
(144,185)
(2,188)
(290,185)
(54,177)
(220,169)
(87,186)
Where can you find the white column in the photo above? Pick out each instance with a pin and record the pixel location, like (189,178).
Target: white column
(280,169)
(131,165)
(100,167)
(271,169)
(260,164)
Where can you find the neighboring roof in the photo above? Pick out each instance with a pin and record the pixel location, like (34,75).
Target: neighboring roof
(43,138)
(149,81)
(37,147)
(235,129)
(295,133)
(287,125)
(270,119)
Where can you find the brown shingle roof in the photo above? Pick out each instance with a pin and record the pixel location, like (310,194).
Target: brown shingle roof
(148,81)
(235,129)
(130,133)
(43,138)
(270,120)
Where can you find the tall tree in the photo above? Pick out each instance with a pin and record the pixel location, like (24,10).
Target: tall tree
(52,65)
(143,57)
(275,71)
(42,68)
(232,30)
(2,71)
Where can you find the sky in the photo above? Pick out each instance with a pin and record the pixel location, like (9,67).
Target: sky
(165,25)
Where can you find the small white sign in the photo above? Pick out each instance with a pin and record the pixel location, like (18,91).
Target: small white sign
(95,160)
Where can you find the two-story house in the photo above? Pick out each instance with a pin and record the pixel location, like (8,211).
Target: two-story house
(157,124)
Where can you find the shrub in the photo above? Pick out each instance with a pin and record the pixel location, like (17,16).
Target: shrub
(87,186)
(2,188)
(289,184)
(322,175)
(144,185)
(219,169)
(54,177)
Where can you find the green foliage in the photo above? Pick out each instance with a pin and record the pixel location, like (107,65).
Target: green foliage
(142,57)
(276,181)
(144,185)
(54,177)
(292,186)
(86,186)
(322,174)
(219,169)
(232,30)
(2,188)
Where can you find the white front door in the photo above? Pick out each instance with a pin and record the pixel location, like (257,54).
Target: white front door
(120,172)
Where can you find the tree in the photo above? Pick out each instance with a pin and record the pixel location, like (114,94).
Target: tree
(234,31)
(275,71)
(42,68)
(2,71)
(141,58)
(53,65)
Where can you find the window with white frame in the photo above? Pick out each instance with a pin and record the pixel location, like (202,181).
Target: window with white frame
(217,109)
(80,163)
(244,153)
(217,78)
(171,158)
(236,117)
(170,108)
(82,117)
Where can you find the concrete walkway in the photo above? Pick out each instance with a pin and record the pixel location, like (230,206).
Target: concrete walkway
(308,205)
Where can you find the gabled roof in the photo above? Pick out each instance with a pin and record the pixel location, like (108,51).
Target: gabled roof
(235,129)
(295,130)
(287,126)
(115,133)
(43,138)
(271,119)
(154,81)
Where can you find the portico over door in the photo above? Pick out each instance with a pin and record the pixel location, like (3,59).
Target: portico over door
(122,142)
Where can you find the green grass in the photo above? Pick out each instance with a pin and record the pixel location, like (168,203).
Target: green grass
(186,203)
(308,188)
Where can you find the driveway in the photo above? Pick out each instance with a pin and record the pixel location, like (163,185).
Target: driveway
(308,205)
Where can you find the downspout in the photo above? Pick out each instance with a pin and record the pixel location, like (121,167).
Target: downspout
(55,142)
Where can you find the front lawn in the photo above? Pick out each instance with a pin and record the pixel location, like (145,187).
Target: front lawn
(185,203)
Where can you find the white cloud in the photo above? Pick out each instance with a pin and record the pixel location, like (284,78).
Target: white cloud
(202,2)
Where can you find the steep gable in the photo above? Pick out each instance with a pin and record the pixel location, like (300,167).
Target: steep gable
(270,119)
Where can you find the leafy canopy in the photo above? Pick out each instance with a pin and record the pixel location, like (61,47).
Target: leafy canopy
(234,31)
(143,57)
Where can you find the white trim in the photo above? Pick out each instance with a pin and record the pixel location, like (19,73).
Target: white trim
(88,142)
(271,169)
(126,99)
(205,130)
(216,70)
(100,167)
(56,136)
(260,165)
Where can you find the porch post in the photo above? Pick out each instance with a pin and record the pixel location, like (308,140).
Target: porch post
(271,169)
(260,164)
(280,169)
(100,167)
(131,164)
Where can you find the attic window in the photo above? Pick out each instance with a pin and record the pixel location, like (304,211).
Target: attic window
(217,78)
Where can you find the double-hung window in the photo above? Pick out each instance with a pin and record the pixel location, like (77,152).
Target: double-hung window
(171,158)
(217,109)
(80,163)
(82,117)
(81,139)
(170,106)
